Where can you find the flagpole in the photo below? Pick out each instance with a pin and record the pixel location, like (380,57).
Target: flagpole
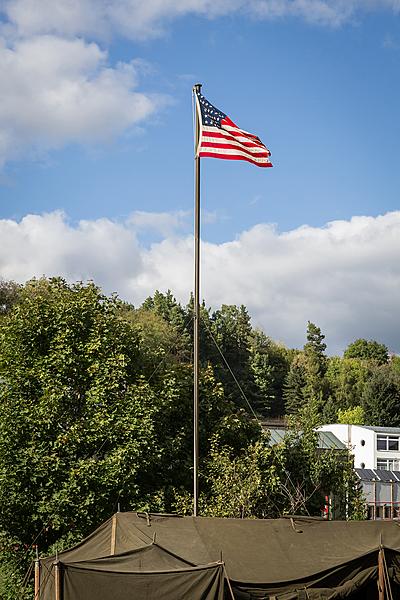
(196,321)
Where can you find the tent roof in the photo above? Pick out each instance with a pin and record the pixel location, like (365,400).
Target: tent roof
(147,559)
(254,551)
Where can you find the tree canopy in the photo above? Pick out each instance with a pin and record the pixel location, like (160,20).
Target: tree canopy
(96,410)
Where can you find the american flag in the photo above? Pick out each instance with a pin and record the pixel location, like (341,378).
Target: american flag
(220,138)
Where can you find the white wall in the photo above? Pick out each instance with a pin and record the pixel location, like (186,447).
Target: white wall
(353,436)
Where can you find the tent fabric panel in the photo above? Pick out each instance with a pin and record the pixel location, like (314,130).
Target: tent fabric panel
(148,558)
(256,551)
(46,591)
(345,582)
(198,584)
(322,590)
(266,554)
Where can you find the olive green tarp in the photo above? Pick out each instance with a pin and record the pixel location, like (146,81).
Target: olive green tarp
(137,556)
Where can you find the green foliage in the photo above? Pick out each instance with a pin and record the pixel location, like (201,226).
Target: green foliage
(76,423)
(316,361)
(292,477)
(346,379)
(230,329)
(11,587)
(352,416)
(227,342)
(367,350)
(294,390)
(395,364)
(269,366)
(381,398)
(9,294)
(91,417)
(96,408)
(242,486)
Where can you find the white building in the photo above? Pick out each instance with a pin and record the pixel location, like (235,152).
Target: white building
(372,447)
(376,452)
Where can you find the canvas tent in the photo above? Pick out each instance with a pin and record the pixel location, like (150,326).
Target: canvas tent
(135,556)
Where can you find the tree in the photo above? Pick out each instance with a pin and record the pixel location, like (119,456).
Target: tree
(347,378)
(352,416)
(9,293)
(367,350)
(169,312)
(294,389)
(269,365)
(269,481)
(316,361)
(381,398)
(76,420)
(82,428)
(231,329)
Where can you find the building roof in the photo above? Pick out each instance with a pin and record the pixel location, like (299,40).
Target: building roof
(326,439)
(377,475)
(382,429)
(394,430)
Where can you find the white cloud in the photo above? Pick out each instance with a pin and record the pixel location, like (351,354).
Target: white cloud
(61,88)
(59,91)
(345,277)
(138,19)
(164,223)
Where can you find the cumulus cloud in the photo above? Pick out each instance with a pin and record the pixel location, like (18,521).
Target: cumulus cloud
(60,91)
(164,223)
(138,19)
(345,276)
(61,87)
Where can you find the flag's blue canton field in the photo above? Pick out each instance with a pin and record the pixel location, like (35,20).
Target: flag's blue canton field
(209,114)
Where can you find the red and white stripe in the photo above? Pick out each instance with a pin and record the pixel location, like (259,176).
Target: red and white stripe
(232,143)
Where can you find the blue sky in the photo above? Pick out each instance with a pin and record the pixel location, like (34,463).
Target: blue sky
(97,123)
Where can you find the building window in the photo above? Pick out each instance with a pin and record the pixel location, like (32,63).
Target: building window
(387,464)
(387,442)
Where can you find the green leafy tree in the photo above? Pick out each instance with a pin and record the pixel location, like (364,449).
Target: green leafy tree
(395,363)
(368,350)
(352,416)
(381,398)
(292,477)
(245,485)
(76,421)
(347,378)
(82,428)
(231,330)
(9,293)
(178,339)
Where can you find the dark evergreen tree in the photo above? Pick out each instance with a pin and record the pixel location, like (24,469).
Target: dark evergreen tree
(269,364)
(381,398)
(294,389)
(316,363)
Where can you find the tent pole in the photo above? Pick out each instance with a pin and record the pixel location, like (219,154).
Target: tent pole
(228,582)
(196,363)
(37,575)
(113,534)
(57,579)
(381,576)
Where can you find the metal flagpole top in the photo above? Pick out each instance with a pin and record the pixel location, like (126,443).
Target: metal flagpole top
(197,86)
